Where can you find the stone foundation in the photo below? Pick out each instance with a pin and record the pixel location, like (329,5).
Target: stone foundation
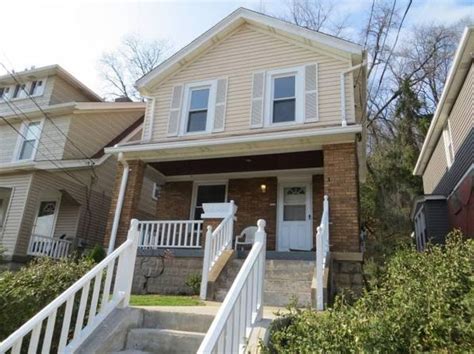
(147,280)
(346,278)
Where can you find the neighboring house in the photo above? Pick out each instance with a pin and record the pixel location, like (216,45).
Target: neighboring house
(55,181)
(262,112)
(446,161)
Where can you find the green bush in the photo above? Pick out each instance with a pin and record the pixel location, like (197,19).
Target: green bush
(193,281)
(96,254)
(422,302)
(24,293)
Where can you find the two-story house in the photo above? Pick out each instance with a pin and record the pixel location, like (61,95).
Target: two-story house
(260,112)
(55,180)
(446,161)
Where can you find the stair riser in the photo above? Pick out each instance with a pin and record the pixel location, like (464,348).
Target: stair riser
(283,299)
(176,320)
(288,286)
(155,341)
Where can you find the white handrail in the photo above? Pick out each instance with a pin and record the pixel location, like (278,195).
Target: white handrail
(322,253)
(46,246)
(243,305)
(216,243)
(95,305)
(170,234)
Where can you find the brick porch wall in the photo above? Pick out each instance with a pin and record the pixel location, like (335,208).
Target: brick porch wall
(253,204)
(341,185)
(130,203)
(174,202)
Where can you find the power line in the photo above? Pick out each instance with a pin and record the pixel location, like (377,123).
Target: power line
(37,150)
(16,108)
(47,117)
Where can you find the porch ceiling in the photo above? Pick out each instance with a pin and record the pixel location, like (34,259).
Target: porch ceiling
(286,161)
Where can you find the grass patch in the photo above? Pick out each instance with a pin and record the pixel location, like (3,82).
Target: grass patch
(164,300)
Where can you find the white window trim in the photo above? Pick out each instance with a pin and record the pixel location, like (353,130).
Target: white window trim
(212,85)
(298,72)
(19,141)
(206,183)
(448,140)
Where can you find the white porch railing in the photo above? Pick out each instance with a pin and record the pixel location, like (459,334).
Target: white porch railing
(87,311)
(45,246)
(170,233)
(217,241)
(322,254)
(243,305)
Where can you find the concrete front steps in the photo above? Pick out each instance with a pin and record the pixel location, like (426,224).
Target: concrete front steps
(152,330)
(285,280)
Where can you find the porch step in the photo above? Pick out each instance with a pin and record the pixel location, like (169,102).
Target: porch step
(284,280)
(182,321)
(164,340)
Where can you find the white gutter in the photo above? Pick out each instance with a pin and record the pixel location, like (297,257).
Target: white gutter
(118,208)
(343,91)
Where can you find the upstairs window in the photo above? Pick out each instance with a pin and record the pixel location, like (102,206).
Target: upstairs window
(19,91)
(448,144)
(30,141)
(36,87)
(4,92)
(198,110)
(284,99)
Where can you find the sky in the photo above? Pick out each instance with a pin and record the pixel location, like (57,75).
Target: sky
(74,34)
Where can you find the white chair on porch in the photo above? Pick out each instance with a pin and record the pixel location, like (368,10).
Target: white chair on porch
(246,237)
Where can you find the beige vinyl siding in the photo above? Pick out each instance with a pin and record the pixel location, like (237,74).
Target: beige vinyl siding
(65,92)
(436,167)
(240,55)
(91,131)
(462,115)
(8,141)
(53,138)
(26,104)
(68,217)
(20,184)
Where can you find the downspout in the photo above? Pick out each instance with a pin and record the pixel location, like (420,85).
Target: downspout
(118,208)
(343,91)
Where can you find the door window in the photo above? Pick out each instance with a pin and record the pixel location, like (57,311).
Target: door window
(45,220)
(294,204)
(208,194)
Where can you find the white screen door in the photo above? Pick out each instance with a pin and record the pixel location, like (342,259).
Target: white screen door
(46,218)
(294,217)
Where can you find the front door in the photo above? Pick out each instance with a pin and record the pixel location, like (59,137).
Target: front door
(295,217)
(46,217)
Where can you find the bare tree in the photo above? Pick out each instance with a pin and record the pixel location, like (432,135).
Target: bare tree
(134,58)
(317,15)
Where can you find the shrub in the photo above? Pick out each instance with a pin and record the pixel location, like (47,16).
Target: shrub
(193,281)
(423,302)
(24,293)
(96,254)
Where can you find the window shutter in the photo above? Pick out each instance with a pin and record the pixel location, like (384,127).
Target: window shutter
(175,110)
(258,94)
(221,99)
(311,93)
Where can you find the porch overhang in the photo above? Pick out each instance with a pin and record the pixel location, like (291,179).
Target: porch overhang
(304,139)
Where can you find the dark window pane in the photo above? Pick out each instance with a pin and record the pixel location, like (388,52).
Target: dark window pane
(294,213)
(27,150)
(197,121)
(284,87)
(199,99)
(284,111)
(208,194)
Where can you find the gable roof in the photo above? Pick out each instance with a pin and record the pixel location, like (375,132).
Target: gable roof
(454,82)
(234,20)
(55,69)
